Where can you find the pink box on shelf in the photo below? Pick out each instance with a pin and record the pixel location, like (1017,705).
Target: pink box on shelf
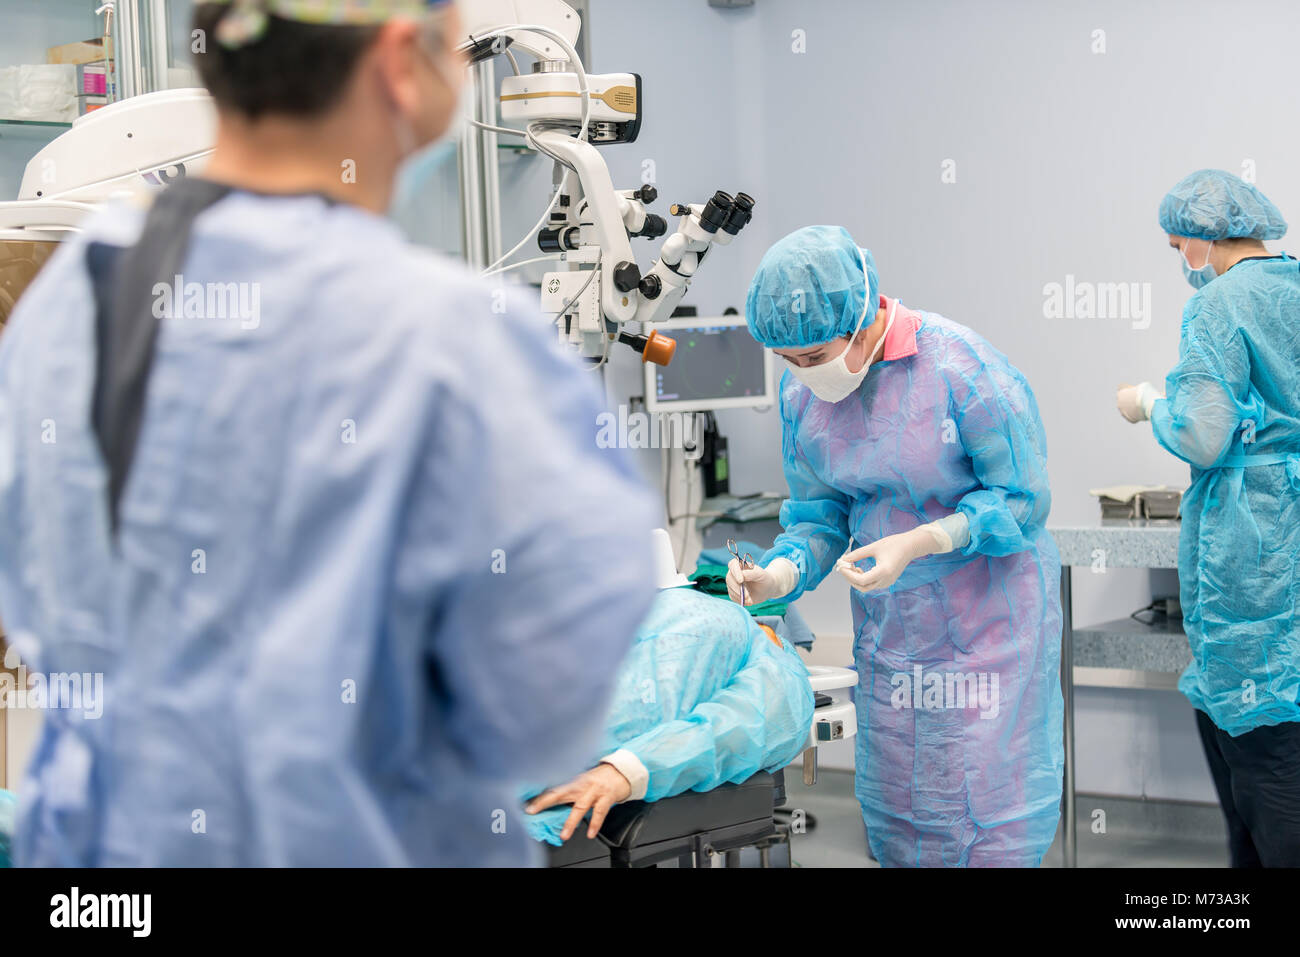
(92,79)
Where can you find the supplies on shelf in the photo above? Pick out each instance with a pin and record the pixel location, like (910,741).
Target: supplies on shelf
(1139,501)
(44,92)
(94,70)
(83,51)
(92,86)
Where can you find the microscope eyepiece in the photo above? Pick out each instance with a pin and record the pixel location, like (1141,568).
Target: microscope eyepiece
(716,212)
(655,226)
(742,211)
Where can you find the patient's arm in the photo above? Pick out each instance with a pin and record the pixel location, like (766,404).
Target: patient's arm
(596,791)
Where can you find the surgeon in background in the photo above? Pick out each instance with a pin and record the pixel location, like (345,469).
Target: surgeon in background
(1231,410)
(915,447)
(350,562)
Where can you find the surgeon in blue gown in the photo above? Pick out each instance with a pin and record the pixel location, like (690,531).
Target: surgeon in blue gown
(917,468)
(1231,410)
(363,571)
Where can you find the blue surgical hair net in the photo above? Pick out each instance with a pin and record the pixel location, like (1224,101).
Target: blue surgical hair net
(1214,204)
(809,289)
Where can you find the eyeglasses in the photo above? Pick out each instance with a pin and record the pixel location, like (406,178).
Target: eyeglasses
(746,561)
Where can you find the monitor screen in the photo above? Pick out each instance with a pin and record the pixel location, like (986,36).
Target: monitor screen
(717,365)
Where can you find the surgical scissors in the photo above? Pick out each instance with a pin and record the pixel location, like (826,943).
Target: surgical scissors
(746,561)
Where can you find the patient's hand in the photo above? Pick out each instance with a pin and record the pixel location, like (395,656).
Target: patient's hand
(596,790)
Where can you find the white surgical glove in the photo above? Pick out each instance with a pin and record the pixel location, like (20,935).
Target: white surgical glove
(1135,401)
(778,579)
(894,553)
(948,533)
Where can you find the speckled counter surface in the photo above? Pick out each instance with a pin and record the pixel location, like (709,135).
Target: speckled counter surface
(1124,643)
(1136,543)
(1160,647)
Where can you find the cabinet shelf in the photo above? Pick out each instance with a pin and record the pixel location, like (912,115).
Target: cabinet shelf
(35,124)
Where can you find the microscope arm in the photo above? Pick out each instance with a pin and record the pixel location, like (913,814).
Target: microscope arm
(605,209)
(485,18)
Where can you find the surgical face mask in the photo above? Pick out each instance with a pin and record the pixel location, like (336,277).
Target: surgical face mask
(1198,277)
(831,381)
(419,170)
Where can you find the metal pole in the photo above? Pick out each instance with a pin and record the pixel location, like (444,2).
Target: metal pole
(141,46)
(159,46)
(583,44)
(809,767)
(485,89)
(126,48)
(1069,837)
(471,198)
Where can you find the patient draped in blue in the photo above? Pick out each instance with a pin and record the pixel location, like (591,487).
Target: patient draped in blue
(705,697)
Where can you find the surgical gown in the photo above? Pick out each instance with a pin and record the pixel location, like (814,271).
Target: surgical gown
(373,572)
(8,803)
(959,748)
(704,698)
(1233,413)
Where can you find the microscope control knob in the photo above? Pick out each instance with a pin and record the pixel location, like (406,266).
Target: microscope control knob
(627,276)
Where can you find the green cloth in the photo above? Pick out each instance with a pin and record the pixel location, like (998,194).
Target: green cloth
(712,580)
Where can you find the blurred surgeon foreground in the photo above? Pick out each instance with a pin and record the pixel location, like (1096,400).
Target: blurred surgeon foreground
(299,545)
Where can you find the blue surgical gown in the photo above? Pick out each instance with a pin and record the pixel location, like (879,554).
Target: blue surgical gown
(1233,412)
(373,572)
(703,698)
(959,748)
(8,802)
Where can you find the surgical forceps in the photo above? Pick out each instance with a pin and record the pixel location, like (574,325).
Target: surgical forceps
(746,561)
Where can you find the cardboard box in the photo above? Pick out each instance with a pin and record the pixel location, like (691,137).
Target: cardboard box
(20,261)
(83,51)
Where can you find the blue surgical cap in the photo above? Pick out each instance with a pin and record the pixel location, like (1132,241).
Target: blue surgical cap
(809,289)
(1213,204)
